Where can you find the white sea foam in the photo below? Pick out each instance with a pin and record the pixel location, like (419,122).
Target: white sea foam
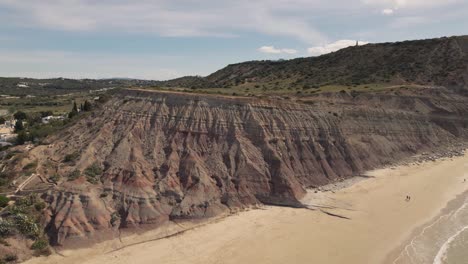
(442,253)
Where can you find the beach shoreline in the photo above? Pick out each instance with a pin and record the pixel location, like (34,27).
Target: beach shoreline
(363,222)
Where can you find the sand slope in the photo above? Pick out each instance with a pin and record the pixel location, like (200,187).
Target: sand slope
(380,219)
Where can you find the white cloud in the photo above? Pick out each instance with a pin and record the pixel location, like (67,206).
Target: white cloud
(410,21)
(173,18)
(269,49)
(273,50)
(332,47)
(289,51)
(388,11)
(396,4)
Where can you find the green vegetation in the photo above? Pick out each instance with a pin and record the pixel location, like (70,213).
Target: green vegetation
(288,91)
(39,206)
(10,258)
(3,179)
(74,111)
(115,217)
(41,247)
(421,62)
(39,244)
(71,157)
(55,178)
(33,88)
(7,228)
(20,115)
(74,175)
(35,130)
(3,201)
(93,173)
(30,166)
(26,225)
(23,219)
(19,126)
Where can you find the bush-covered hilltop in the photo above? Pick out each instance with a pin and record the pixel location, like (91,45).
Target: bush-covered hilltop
(440,61)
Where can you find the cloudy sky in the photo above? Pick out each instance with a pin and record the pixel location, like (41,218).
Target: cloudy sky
(162,39)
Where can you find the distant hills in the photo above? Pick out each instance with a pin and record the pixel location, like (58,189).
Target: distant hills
(59,86)
(441,61)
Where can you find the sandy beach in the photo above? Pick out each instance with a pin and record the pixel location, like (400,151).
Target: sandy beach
(369,220)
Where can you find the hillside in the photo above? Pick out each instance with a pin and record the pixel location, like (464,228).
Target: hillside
(148,157)
(143,158)
(442,61)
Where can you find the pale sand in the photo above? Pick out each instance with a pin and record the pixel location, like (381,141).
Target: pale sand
(380,220)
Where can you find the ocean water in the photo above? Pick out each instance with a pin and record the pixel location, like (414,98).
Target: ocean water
(444,240)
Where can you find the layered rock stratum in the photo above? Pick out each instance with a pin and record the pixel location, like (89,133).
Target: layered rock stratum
(159,156)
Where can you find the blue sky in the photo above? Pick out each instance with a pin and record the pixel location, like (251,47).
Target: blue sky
(163,39)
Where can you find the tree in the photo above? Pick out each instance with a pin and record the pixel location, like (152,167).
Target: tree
(34,118)
(87,106)
(19,126)
(74,111)
(46,113)
(21,138)
(20,115)
(75,108)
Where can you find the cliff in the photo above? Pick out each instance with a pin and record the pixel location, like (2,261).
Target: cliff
(147,157)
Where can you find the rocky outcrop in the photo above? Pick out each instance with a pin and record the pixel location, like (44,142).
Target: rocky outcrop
(163,156)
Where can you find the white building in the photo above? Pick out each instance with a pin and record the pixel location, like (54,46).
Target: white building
(47,119)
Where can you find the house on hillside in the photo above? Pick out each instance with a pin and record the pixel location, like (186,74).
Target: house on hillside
(22,85)
(47,119)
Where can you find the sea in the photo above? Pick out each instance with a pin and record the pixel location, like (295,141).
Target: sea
(443,240)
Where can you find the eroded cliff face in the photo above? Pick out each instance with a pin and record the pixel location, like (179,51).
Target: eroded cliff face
(165,156)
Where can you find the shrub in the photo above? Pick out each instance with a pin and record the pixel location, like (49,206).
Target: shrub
(3,181)
(21,138)
(40,244)
(26,226)
(40,206)
(114,218)
(74,175)
(71,157)
(93,173)
(10,258)
(7,228)
(17,209)
(27,200)
(30,166)
(3,201)
(55,178)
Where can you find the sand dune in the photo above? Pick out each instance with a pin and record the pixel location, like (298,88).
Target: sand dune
(379,220)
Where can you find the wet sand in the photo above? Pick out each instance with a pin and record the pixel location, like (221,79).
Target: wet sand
(362,223)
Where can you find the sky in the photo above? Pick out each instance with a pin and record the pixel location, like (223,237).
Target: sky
(164,39)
